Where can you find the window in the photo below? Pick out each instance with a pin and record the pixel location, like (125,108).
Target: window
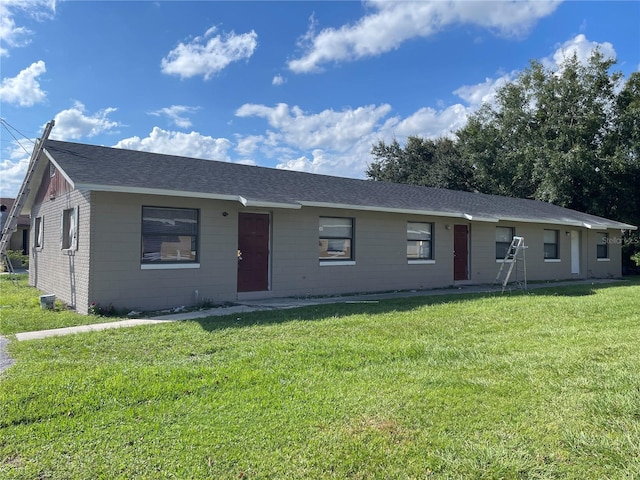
(602,245)
(504,237)
(169,235)
(38,232)
(69,234)
(419,241)
(551,244)
(336,238)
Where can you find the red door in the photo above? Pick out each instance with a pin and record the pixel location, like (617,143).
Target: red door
(253,246)
(460,252)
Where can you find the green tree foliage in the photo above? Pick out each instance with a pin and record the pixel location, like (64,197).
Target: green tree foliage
(569,136)
(433,163)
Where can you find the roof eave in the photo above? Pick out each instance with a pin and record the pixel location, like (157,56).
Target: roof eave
(411,211)
(183,193)
(573,223)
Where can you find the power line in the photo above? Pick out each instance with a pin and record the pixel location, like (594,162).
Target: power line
(10,128)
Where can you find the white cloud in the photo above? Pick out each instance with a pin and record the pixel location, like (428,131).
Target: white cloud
(485,92)
(209,54)
(191,144)
(74,123)
(327,129)
(278,80)
(339,143)
(16,36)
(430,123)
(24,89)
(317,164)
(14,168)
(247,145)
(393,23)
(582,48)
(177,114)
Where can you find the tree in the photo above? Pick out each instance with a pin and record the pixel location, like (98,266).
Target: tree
(433,163)
(569,136)
(566,137)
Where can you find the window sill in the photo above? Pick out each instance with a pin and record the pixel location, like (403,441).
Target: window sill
(552,260)
(168,266)
(603,259)
(421,262)
(331,263)
(502,260)
(68,251)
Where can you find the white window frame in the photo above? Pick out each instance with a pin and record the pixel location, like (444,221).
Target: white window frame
(38,232)
(414,234)
(545,239)
(69,230)
(602,240)
(323,236)
(178,262)
(512,233)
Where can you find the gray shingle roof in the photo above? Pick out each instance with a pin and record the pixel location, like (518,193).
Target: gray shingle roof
(103,168)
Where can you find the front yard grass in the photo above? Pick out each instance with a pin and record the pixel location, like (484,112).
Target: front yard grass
(538,385)
(20,309)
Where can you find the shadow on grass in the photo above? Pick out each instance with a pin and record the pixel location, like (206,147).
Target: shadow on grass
(344,307)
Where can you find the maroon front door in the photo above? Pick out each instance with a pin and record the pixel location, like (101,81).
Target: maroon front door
(460,252)
(253,252)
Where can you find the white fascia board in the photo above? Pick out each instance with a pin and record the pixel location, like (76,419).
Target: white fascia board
(480,219)
(37,173)
(156,191)
(408,211)
(568,223)
(613,226)
(59,168)
(259,203)
(572,223)
(180,193)
(264,204)
(609,226)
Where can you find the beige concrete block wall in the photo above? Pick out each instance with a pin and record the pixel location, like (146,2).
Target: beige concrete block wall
(117,276)
(380,254)
(56,271)
(110,238)
(485,266)
(603,268)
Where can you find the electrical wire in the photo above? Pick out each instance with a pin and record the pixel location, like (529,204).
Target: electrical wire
(10,128)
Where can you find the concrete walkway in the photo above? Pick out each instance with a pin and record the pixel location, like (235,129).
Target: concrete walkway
(286,303)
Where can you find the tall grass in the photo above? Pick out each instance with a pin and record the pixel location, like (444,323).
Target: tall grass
(540,385)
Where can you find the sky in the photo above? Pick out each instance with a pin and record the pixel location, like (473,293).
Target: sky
(300,85)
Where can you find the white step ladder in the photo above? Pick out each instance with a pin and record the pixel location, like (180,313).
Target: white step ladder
(11,223)
(514,264)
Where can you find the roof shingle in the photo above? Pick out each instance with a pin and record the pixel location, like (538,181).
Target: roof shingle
(104,168)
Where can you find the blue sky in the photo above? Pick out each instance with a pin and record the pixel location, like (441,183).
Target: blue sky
(300,85)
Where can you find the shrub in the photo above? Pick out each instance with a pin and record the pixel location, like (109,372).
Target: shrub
(99,310)
(18,259)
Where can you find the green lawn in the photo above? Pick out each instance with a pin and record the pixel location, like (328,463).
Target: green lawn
(20,309)
(531,386)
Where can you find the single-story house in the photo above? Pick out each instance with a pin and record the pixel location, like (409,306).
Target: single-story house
(147,231)
(20,238)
